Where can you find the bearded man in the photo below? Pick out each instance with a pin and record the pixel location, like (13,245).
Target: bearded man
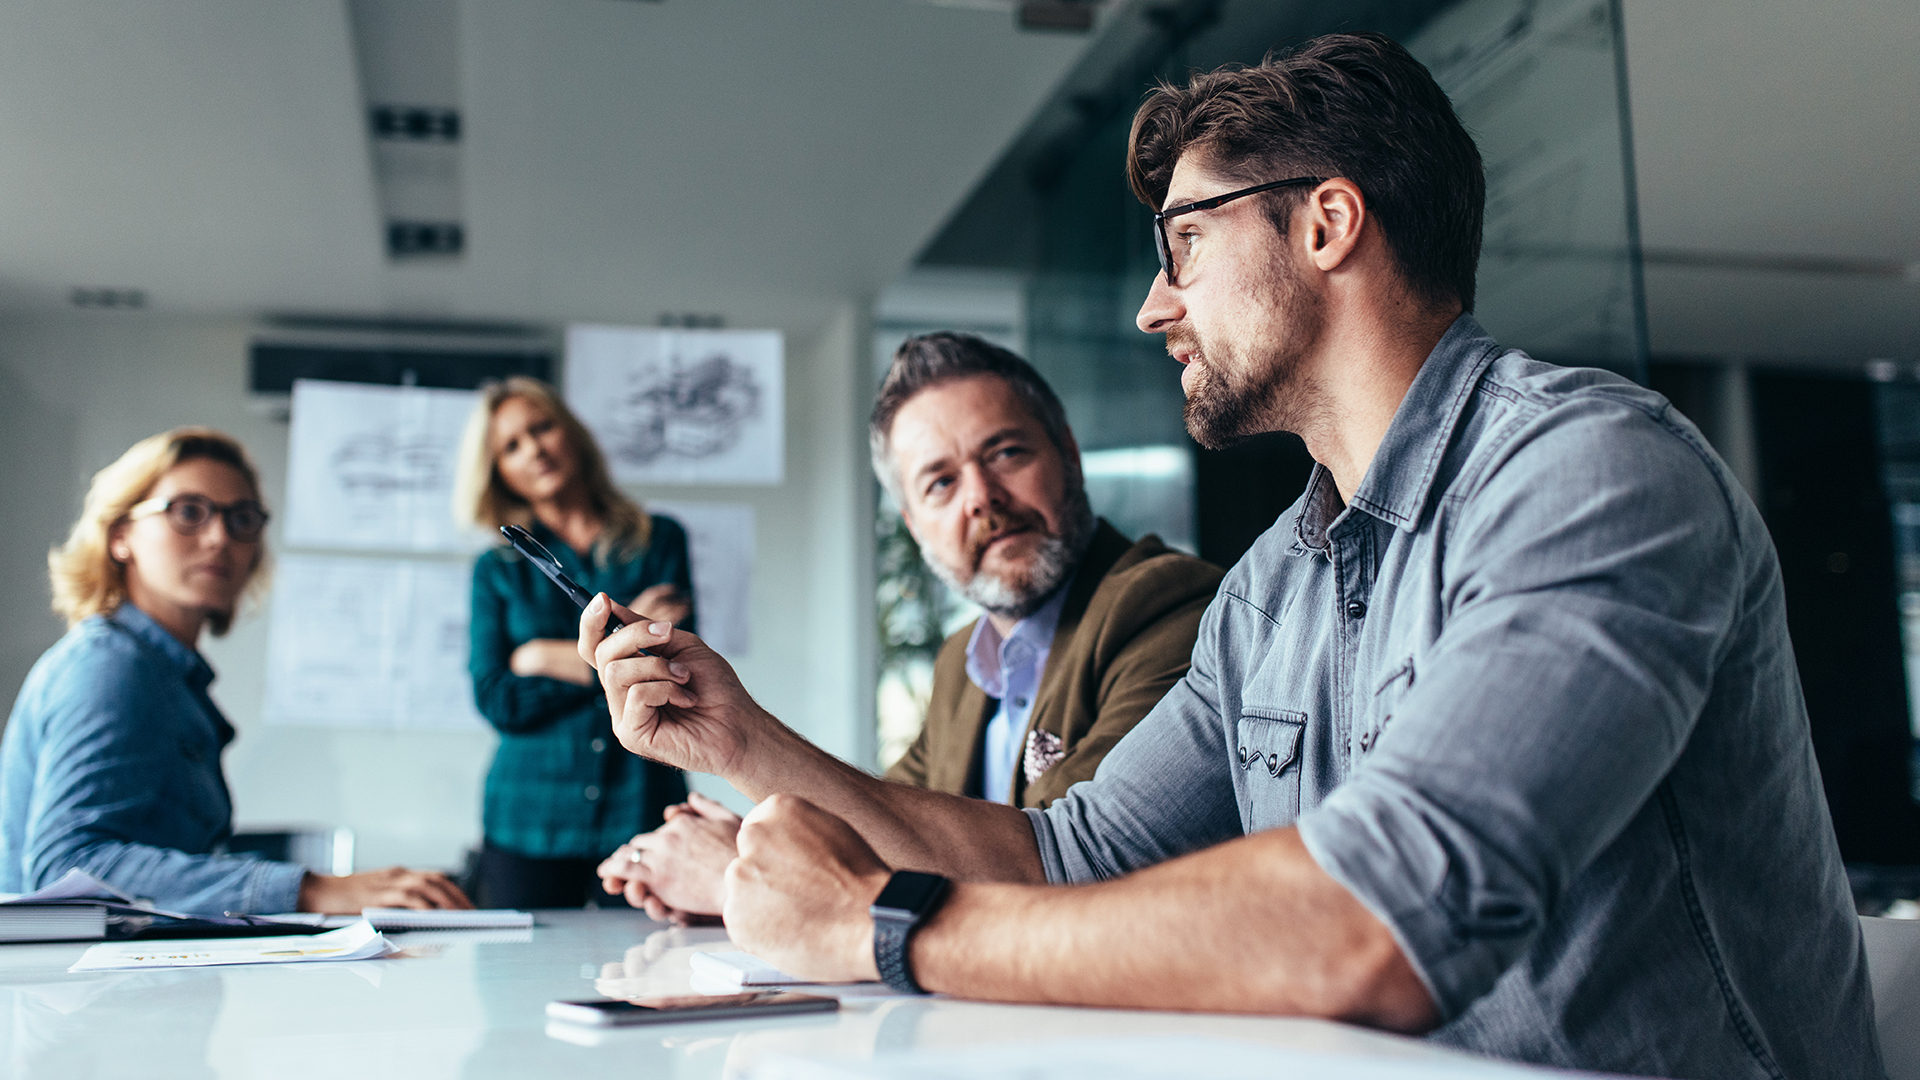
(1495,736)
(1084,630)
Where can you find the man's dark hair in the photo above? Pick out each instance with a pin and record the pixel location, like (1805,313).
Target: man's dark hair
(931,359)
(1352,105)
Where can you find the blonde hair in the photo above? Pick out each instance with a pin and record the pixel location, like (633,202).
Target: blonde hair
(87,579)
(481,497)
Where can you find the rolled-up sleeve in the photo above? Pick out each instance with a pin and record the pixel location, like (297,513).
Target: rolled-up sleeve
(1163,791)
(1580,643)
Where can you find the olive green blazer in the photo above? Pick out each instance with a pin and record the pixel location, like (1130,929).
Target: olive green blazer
(1125,636)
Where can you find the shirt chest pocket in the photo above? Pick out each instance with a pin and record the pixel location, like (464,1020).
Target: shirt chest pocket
(1386,697)
(1267,766)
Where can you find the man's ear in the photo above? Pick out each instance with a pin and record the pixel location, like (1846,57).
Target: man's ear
(908,518)
(1332,221)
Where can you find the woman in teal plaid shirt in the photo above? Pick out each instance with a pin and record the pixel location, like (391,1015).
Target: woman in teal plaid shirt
(561,793)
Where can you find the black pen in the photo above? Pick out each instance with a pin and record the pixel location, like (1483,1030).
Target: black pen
(543,560)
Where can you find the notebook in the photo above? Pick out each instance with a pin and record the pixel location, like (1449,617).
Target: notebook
(53,922)
(389,918)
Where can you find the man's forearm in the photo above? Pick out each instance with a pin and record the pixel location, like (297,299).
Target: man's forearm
(911,828)
(1252,926)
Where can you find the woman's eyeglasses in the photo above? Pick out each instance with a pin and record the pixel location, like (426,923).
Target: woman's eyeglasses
(189,514)
(1165,251)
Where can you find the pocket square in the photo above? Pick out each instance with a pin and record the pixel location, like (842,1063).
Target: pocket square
(1044,751)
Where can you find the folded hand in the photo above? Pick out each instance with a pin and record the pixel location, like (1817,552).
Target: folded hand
(678,871)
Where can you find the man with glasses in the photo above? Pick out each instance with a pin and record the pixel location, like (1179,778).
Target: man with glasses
(1496,735)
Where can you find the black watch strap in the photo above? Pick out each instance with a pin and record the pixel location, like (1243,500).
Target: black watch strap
(909,898)
(890,955)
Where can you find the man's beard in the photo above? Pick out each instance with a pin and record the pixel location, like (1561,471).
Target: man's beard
(1052,563)
(1239,394)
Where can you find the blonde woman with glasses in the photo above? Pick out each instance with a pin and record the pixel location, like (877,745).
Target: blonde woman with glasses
(561,793)
(111,759)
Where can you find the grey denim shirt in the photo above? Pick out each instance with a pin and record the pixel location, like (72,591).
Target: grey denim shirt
(1530,698)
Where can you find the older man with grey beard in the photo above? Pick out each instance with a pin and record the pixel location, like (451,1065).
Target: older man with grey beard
(1083,632)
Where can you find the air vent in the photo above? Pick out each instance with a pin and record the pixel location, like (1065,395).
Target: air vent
(273,366)
(1074,15)
(692,320)
(406,239)
(108,299)
(414,123)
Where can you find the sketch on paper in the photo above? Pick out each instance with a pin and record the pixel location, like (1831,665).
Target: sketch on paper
(694,412)
(681,406)
(371,467)
(370,643)
(720,543)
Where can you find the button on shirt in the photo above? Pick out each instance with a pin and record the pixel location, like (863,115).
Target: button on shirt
(1010,671)
(1530,698)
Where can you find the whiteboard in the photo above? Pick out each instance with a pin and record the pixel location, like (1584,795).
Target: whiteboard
(681,406)
(720,543)
(372,467)
(370,643)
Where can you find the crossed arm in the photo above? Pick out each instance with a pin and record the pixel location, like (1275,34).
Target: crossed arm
(1263,928)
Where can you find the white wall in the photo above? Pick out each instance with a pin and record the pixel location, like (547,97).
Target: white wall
(77,390)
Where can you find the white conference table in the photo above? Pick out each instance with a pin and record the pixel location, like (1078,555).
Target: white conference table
(471,1004)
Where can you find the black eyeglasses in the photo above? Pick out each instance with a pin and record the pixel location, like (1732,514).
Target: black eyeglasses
(189,514)
(1160,245)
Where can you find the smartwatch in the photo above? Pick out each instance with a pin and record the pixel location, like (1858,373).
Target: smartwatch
(909,898)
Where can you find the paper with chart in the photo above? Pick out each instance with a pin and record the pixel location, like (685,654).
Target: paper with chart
(370,643)
(372,467)
(720,543)
(681,406)
(357,942)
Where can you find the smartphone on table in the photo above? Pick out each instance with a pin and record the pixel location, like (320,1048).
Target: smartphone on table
(536,553)
(615,1012)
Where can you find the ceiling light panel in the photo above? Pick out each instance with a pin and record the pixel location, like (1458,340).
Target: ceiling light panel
(409,61)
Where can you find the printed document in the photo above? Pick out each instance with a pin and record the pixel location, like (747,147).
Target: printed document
(357,942)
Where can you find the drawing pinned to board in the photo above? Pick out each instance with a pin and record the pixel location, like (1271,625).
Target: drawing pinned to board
(370,643)
(681,406)
(371,467)
(720,544)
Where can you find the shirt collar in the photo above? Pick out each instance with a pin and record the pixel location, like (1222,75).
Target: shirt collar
(989,657)
(142,627)
(1401,474)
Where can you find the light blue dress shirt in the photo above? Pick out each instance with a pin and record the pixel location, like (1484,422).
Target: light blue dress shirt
(111,764)
(1529,696)
(1009,670)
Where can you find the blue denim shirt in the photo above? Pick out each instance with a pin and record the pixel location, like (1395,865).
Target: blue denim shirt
(1530,698)
(111,763)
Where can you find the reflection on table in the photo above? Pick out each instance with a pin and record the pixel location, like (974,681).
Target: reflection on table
(471,1004)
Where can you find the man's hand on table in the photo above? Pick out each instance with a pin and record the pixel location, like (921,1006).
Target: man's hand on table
(797,897)
(677,872)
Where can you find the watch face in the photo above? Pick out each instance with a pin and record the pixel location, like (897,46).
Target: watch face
(909,892)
